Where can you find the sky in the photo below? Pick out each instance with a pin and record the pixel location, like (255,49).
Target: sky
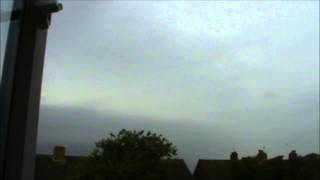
(210,76)
(5,6)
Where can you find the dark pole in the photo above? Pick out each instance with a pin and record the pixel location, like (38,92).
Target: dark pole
(25,85)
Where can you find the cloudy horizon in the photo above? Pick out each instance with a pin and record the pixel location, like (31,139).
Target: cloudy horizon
(210,76)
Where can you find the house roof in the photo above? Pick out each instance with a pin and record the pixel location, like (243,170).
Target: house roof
(307,167)
(213,170)
(48,169)
(176,169)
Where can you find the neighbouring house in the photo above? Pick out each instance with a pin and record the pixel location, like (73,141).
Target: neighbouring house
(59,165)
(260,167)
(213,170)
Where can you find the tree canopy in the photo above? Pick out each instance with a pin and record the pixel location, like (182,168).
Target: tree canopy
(133,155)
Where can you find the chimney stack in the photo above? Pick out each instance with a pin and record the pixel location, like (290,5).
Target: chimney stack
(59,153)
(293,155)
(262,156)
(234,156)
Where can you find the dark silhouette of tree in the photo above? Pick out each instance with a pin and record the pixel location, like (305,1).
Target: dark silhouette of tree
(129,155)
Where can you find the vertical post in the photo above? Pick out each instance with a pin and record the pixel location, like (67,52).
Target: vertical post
(25,90)
(7,77)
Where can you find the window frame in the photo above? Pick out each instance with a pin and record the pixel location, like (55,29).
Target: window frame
(21,87)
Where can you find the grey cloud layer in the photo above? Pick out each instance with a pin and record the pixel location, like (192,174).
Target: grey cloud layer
(244,74)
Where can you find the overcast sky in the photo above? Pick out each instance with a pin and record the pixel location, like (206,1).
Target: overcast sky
(211,76)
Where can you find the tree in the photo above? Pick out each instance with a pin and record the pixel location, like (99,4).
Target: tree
(129,155)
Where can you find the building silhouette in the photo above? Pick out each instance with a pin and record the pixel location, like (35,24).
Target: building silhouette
(58,166)
(260,167)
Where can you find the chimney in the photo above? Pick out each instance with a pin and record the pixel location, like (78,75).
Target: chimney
(234,156)
(59,153)
(262,156)
(293,155)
